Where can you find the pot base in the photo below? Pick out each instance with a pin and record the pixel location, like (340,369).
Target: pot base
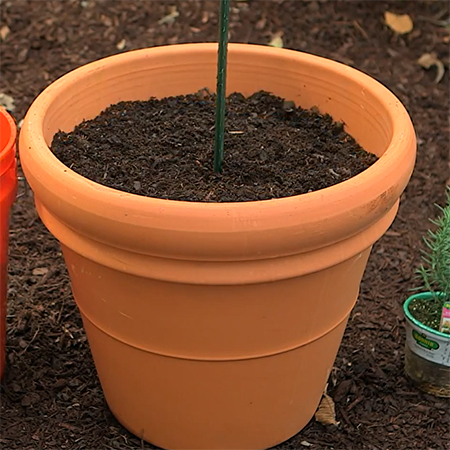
(179,404)
(427,376)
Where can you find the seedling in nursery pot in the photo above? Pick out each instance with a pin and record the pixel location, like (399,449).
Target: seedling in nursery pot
(195,284)
(427,354)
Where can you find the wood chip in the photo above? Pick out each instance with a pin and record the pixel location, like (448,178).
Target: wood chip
(393,233)
(205,17)
(260,25)
(4,31)
(121,45)
(170,18)
(40,271)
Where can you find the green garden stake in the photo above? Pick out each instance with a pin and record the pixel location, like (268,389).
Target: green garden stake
(221,84)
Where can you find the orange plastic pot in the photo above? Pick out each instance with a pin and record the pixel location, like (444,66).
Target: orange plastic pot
(8,189)
(215,326)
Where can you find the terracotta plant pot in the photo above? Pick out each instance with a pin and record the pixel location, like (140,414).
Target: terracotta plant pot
(215,326)
(8,189)
(427,353)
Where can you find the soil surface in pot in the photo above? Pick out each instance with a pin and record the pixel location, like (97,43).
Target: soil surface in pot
(427,311)
(164,148)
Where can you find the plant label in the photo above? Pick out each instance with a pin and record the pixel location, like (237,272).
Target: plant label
(445,319)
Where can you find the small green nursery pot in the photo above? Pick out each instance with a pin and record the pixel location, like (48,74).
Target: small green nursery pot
(427,353)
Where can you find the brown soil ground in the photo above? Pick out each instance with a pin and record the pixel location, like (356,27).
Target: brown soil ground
(50,394)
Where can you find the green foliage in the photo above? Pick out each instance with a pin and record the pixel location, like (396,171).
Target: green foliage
(435,270)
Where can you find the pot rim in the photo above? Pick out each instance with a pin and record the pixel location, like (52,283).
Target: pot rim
(422,295)
(8,152)
(354,213)
(398,115)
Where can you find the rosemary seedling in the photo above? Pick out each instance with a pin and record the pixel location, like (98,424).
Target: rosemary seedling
(435,270)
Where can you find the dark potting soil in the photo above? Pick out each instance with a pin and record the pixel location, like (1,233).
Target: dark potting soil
(164,148)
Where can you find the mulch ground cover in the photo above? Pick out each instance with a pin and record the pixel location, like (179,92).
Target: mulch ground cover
(50,394)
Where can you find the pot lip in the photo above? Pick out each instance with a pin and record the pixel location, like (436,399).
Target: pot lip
(412,319)
(402,133)
(8,153)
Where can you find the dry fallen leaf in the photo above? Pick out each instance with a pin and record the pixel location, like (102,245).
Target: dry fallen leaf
(40,271)
(428,60)
(7,101)
(277,40)
(400,23)
(170,18)
(326,414)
